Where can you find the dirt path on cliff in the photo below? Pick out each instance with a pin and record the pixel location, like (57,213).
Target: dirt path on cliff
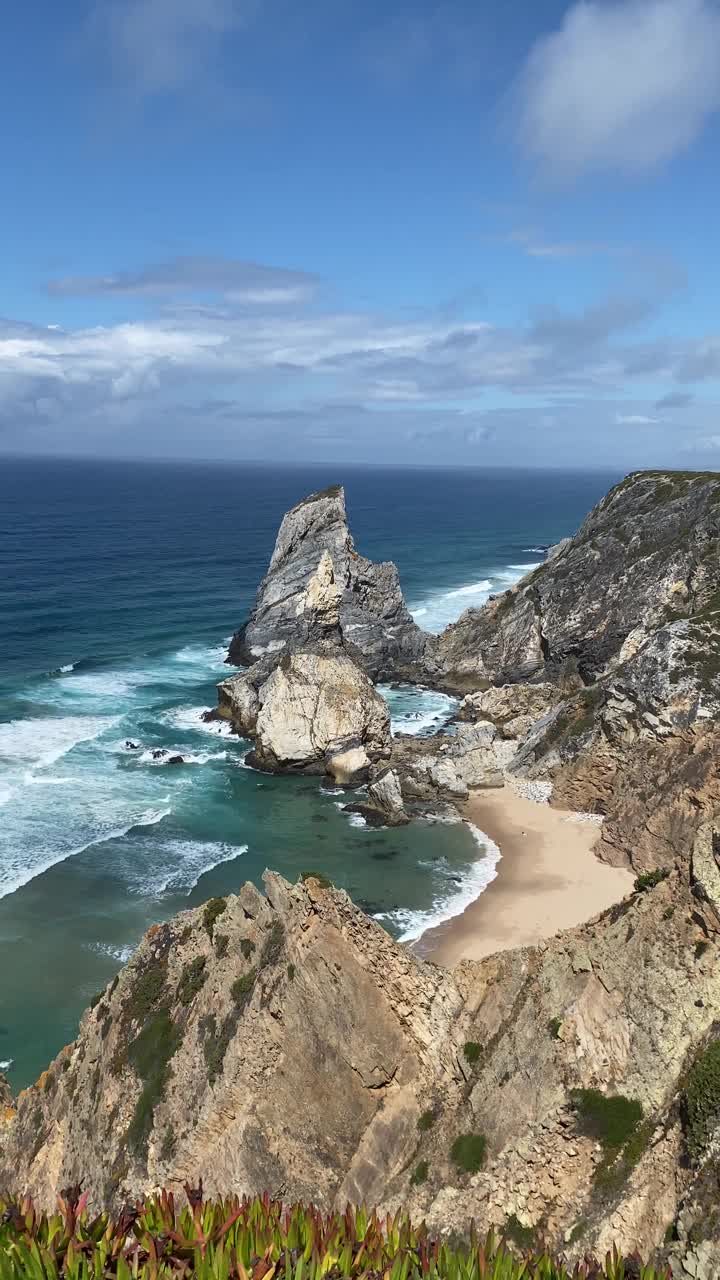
(548,879)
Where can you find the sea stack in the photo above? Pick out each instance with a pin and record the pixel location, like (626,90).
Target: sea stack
(318,587)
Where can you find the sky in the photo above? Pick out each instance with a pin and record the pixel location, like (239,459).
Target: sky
(464,232)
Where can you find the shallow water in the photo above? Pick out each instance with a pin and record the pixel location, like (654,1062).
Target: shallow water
(119,586)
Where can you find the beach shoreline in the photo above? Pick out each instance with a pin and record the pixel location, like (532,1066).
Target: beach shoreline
(548,879)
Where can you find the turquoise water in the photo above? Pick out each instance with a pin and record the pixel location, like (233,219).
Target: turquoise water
(119,586)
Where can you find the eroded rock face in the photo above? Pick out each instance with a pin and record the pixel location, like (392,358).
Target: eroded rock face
(318,586)
(313,711)
(646,554)
(384,806)
(295,1048)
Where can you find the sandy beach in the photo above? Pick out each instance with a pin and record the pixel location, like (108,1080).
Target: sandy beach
(548,879)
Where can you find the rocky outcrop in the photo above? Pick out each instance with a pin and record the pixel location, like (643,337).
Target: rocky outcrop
(384,806)
(286,1043)
(313,711)
(645,555)
(318,587)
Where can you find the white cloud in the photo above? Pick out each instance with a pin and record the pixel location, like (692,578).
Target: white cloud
(634,419)
(158,46)
(621,85)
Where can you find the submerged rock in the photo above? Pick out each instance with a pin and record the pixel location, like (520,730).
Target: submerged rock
(319,587)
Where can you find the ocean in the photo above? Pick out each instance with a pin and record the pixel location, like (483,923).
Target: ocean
(120,584)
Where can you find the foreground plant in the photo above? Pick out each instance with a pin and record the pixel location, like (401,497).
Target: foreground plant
(258,1239)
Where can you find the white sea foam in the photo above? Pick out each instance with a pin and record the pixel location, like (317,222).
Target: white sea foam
(14,876)
(113,950)
(178,865)
(191,718)
(189,757)
(42,742)
(69,666)
(211,656)
(416,711)
(453,901)
(6,793)
(443,607)
(6,1064)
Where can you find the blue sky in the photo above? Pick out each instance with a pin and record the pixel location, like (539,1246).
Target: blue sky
(429,232)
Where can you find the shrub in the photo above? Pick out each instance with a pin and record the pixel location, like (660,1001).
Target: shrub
(273,944)
(242,989)
(317,875)
(611,1120)
(554,1026)
(650,879)
(468,1152)
(150,1054)
(702,1100)
(522,1236)
(420,1173)
(191,980)
(291,972)
(247,947)
(426,1121)
(213,910)
(222,942)
(472,1050)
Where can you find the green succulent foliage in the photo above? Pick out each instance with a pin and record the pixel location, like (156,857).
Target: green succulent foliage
(472,1051)
(426,1121)
(247,1239)
(420,1173)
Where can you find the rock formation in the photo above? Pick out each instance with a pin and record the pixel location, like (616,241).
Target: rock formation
(287,1043)
(384,806)
(313,711)
(318,586)
(645,556)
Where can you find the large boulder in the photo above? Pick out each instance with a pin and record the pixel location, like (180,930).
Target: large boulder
(318,587)
(315,711)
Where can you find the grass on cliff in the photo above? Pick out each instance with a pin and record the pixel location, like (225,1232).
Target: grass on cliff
(246,1239)
(702,1101)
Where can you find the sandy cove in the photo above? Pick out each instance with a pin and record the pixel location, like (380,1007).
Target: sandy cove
(548,879)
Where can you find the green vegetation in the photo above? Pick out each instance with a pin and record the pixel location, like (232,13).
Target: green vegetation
(426,1121)
(420,1174)
(212,1240)
(650,879)
(222,942)
(468,1152)
(216,1041)
(273,944)
(472,1050)
(554,1026)
(191,979)
(291,971)
(247,947)
(213,910)
(150,1054)
(520,1235)
(611,1120)
(146,992)
(319,877)
(702,1100)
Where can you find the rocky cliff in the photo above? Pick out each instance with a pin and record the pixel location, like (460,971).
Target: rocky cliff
(318,586)
(570,1091)
(285,1042)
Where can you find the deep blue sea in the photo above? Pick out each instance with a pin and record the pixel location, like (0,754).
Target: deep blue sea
(120,584)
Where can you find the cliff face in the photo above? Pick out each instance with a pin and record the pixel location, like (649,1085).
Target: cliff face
(646,555)
(318,585)
(287,1043)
